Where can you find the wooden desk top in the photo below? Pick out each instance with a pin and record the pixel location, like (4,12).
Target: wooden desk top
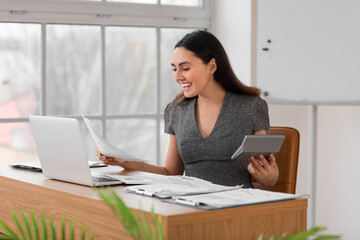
(130,199)
(21,189)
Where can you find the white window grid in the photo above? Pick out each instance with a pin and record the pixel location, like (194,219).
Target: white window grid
(105,14)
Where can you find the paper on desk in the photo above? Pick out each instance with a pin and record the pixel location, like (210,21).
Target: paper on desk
(108,149)
(178,186)
(237,197)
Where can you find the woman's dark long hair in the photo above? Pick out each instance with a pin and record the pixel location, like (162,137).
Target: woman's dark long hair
(206,47)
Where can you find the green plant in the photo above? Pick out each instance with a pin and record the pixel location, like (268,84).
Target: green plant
(312,232)
(30,229)
(138,229)
(133,226)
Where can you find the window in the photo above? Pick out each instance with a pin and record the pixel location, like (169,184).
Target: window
(73,70)
(107,61)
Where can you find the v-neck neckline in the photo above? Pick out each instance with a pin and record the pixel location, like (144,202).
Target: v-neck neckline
(217,120)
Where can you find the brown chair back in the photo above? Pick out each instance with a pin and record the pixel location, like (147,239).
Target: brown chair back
(286,159)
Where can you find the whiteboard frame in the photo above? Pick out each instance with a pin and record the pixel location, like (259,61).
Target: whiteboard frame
(341,47)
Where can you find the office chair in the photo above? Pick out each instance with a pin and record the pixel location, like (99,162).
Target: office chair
(286,159)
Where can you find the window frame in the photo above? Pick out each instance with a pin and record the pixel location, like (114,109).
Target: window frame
(105,14)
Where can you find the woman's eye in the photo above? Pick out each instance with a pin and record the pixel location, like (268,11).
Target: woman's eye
(186,69)
(174,69)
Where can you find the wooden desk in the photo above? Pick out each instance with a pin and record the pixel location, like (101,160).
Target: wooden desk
(26,190)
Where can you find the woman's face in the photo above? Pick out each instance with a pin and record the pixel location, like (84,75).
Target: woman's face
(190,72)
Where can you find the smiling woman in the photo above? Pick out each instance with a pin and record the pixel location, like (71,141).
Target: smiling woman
(209,118)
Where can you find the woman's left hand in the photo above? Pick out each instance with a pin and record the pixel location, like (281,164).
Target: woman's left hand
(266,172)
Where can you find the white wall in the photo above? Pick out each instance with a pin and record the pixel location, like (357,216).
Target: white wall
(338,170)
(233,30)
(338,131)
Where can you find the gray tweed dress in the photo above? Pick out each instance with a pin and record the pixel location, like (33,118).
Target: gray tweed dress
(210,158)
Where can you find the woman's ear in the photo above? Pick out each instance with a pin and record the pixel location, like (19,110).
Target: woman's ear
(212,65)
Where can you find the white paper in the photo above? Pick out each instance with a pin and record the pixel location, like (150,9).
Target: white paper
(107,149)
(178,186)
(237,197)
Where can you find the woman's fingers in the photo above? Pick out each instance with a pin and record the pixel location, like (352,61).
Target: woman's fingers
(265,171)
(261,165)
(102,157)
(263,162)
(258,169)
(272,159)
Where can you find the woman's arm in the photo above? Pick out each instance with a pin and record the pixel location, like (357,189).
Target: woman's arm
(173,163)
(266,172)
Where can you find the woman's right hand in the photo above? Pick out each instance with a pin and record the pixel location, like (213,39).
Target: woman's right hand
(111,160)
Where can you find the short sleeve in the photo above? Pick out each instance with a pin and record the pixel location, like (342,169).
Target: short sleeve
(261,115)
(168,118)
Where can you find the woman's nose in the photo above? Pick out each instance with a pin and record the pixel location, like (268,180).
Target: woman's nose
(178,76)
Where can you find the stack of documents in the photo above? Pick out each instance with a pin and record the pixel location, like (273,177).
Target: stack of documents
(233,198)
(178,186)
(198,193)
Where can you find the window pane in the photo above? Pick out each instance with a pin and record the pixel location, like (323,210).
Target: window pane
(169,88)
(190,3)
(135,136)
(73,70)
(20,69)
(130,70)
(17,143)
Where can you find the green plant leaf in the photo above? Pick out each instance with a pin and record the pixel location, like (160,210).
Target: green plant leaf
(106,200)
(83,232)
(52,229)
(44,227)
(282,236)
(325,237)
(133,226)
(131,223)
(158,231)
(8,231)
(91,235)
(48,228)
(62,228)
(4,236)
(145,227)
(72,229)
(311,232)
(35,226)
(17,223)
(27,225)
(161,228)
(155,224)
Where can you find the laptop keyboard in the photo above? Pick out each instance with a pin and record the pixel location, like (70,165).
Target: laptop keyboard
(103,179)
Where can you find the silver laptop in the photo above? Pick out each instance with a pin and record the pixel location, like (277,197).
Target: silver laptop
(61,151)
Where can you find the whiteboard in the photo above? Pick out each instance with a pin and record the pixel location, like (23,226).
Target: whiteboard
(308,50)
